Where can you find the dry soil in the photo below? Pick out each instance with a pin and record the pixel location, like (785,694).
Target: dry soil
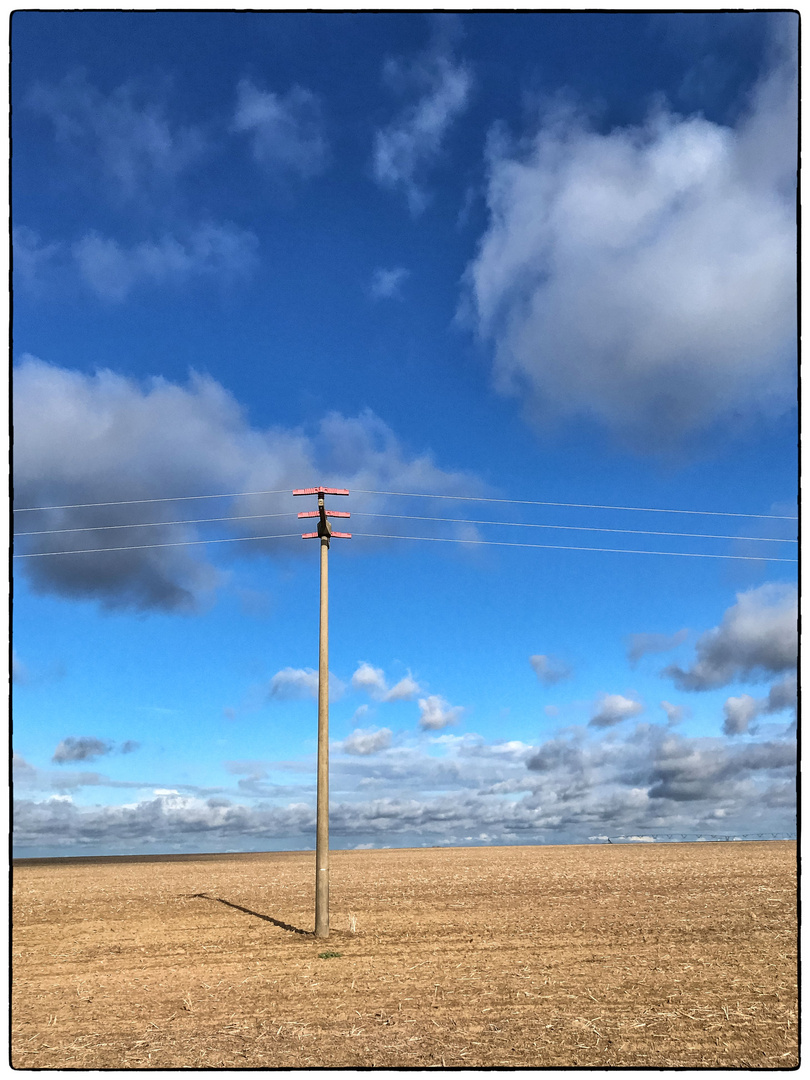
(652,955)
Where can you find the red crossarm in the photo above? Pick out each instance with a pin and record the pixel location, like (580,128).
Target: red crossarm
(344,536)
(318,490)
(308,536)
(329,513)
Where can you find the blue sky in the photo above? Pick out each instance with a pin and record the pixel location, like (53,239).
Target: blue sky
(495,262)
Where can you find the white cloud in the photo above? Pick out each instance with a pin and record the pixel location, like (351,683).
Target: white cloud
(85,748)
(222,252)
(611,709)
(92,438)
(549,669)
(739,712)
(436,713)
(365,741)
(572,786)
(405,690)
(291,684)
(372,680)
(387,284)
(639,645)
(286,130)
(675,713)
(646,277)
(31,257)
(782,695)
(125,134)
(757,637)
(405,149)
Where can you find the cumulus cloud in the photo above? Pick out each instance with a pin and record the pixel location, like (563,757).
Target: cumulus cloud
(757,637)
(125,134)
(639,645)
(94,438)
(413,142)
(643,781)
(213,252)
(436,713)
(88,748)
(220,252)
(373,682)
(291,684)
(549,669)
(572,786)
(387,284)
(689,770)
(405,690)
(741,712)
(611,709)
(369,679)
(675,713)
(31,257)
(64,780)
(365,741)
(782,695)
(286,130)
(85,748)
(646,277)
(20,767)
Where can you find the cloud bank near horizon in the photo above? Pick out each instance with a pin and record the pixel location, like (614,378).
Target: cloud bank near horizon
(451,790)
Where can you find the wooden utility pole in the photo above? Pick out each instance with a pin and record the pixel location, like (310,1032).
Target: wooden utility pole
(325,534)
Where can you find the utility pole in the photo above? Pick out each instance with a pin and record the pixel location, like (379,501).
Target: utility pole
(325,533)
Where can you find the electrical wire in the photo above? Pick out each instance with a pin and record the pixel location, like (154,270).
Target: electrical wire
(135,502)
(152,524)
(582,506)
(394,536)
(568,547)
(573,528)
(142,547)
(412,517)
(414,495)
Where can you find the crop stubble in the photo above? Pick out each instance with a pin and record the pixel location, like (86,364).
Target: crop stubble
(650,955)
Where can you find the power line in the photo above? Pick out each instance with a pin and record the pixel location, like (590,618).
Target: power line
(575,528)
(142,547)
(396,536)
(569,547)
(414,495)
(582,506)
(135,502)
(153,524)
(412,517)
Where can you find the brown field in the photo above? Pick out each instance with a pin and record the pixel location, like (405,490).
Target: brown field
(651,955)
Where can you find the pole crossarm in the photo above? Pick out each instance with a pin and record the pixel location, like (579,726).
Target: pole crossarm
(329,513)
(325,530)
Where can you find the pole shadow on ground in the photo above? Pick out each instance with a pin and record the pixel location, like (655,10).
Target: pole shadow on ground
(247,911)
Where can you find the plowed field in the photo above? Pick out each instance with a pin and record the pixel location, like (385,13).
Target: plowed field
(650,955)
